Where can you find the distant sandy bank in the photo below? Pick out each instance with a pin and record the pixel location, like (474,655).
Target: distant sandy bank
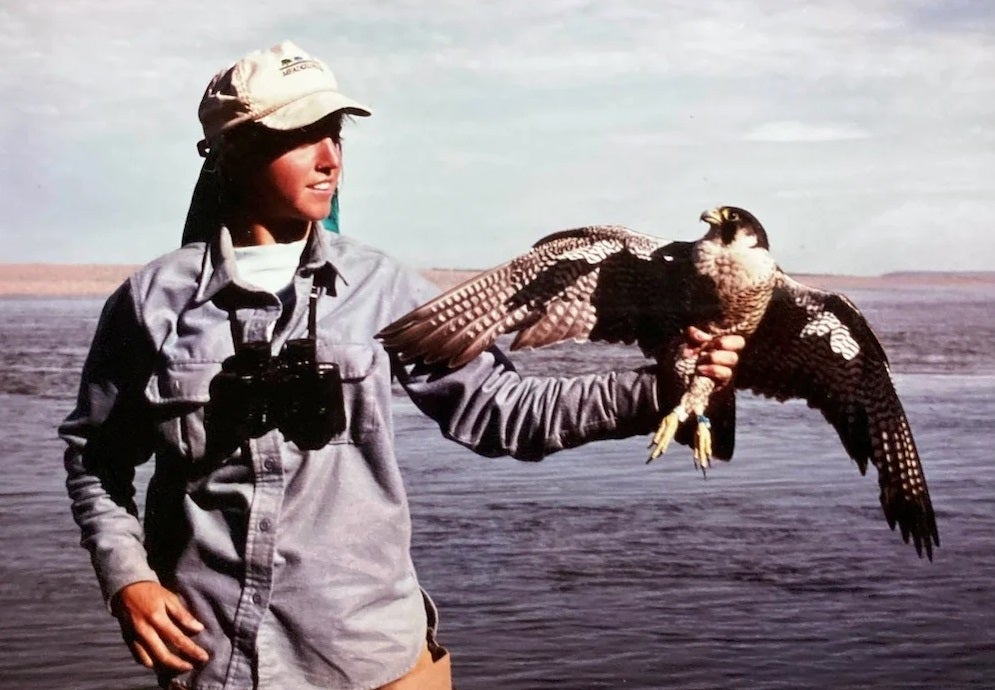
(99,280)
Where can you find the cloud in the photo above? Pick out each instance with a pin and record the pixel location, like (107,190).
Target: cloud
(931,234)
(510,119)
(793,131)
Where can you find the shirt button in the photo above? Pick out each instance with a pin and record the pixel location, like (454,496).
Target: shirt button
(257,599)
(269,465)
(265,524)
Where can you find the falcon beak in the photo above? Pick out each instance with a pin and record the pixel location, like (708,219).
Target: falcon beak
(713,217)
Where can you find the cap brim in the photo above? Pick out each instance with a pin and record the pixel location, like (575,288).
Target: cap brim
(309,109)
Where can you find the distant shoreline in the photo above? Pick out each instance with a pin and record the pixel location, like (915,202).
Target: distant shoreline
(99,280)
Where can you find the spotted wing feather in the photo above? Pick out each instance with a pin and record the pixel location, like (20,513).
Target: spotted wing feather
(817,346)
(603,283)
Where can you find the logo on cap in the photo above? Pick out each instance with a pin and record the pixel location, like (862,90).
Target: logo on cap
(297,64)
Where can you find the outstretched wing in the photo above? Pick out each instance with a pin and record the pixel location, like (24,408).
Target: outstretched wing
(603,283)
(817,346)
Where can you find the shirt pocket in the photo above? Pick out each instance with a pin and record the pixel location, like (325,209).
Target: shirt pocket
(178,394)
(358,364)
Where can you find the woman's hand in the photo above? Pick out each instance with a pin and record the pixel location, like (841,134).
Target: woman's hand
(156,626)
(717,355)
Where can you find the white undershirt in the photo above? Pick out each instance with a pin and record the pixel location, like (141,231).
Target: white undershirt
(269,266)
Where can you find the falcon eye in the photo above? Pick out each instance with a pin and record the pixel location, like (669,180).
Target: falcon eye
(733,216)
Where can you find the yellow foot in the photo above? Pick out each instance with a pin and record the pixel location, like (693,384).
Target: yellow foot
(703,443)
(664,435)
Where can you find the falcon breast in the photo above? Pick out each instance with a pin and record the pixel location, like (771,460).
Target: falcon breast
(610,284)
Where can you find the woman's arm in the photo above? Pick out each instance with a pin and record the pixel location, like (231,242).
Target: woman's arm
(490,408)
(107,435)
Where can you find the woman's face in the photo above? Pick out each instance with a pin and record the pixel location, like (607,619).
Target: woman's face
(299,182)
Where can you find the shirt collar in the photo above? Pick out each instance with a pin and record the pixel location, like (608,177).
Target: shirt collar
(219,269)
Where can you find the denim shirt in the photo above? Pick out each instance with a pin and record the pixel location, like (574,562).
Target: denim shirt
(296,561)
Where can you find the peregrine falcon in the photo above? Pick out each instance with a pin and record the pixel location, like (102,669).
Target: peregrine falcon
(608,283)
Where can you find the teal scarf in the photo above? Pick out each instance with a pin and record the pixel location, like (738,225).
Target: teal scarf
(332,222)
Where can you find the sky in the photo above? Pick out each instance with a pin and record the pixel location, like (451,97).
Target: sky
(861,133)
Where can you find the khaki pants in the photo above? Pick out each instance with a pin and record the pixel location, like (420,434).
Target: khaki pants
(428,674)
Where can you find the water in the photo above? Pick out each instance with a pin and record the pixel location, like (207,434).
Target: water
(590,569)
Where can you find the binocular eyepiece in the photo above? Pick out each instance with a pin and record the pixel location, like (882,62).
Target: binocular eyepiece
(256,392)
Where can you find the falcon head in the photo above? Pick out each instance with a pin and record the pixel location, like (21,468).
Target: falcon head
(730,224)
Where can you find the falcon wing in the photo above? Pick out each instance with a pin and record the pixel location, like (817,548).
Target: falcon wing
(817,346)
(603,283)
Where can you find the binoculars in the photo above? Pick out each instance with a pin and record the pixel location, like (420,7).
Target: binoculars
(256,392)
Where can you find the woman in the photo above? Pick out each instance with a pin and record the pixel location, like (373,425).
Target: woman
(275,551)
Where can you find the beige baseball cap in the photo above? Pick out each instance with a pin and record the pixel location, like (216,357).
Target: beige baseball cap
(280,88)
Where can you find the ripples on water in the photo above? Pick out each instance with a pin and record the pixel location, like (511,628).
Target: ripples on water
(590,569)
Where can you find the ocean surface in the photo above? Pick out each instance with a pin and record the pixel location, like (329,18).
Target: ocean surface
(592,569)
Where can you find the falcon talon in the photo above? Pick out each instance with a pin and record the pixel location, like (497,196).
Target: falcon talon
(703,442)
(665,433)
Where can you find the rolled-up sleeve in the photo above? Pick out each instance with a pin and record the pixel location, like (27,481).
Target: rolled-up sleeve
(489,407)
(107,435)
